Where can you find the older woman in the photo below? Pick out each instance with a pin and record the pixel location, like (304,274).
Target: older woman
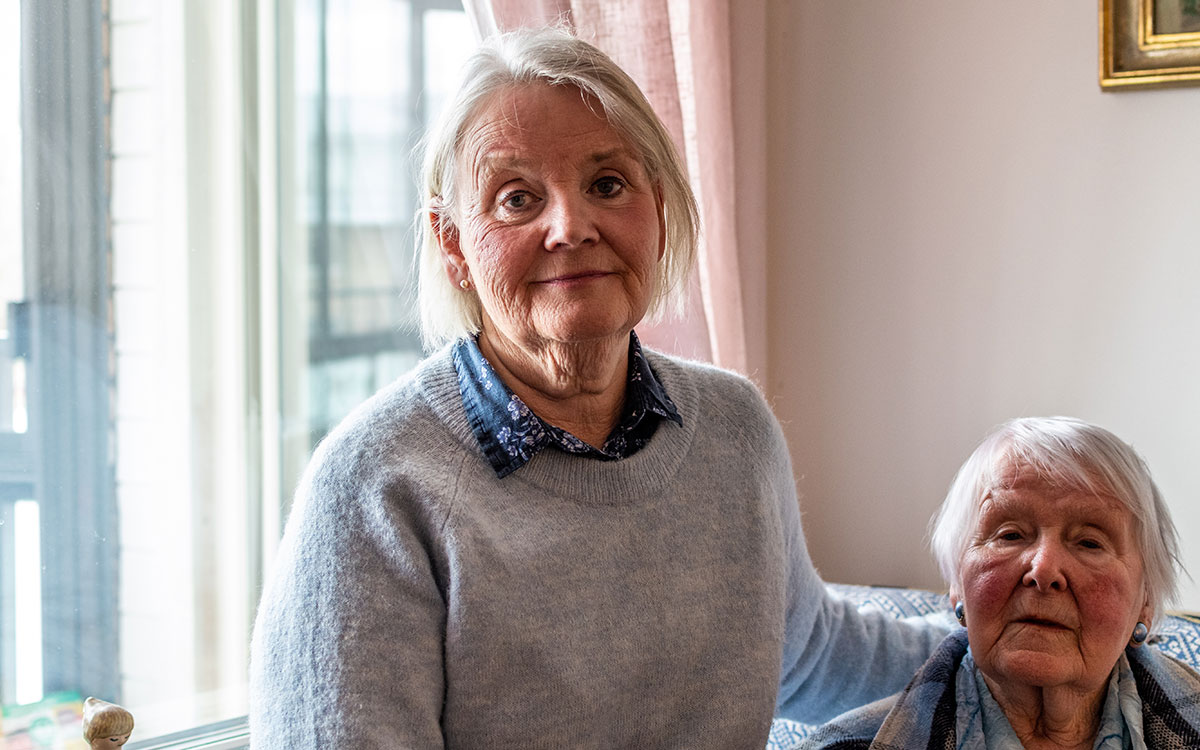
(1060,554)
(546,536)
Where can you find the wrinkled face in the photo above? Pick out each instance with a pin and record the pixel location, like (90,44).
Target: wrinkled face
(1052,584)
(559,228)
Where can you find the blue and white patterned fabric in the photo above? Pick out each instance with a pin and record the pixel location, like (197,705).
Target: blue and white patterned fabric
(787,734)
(510,434)
(1178,635)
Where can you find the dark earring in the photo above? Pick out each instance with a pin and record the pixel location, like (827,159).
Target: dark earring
(960,614)
(1140,633)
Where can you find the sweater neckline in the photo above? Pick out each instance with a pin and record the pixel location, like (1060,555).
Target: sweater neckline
(576,478)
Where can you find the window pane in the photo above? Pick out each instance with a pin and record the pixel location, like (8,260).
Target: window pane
(369,75)
(444,57)
(26,599)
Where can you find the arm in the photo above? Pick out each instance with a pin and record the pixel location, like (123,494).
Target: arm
(836,658)
(347,647)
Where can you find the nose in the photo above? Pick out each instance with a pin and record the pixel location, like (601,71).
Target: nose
(1045,566)
(569,223)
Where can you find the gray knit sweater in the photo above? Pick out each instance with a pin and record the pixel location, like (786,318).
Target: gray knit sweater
(417,601)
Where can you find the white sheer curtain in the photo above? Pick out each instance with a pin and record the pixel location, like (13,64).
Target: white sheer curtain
(681,53)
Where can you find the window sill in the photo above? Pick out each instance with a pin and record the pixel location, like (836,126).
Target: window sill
(233,734)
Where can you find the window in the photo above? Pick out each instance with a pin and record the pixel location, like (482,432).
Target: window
(211,205)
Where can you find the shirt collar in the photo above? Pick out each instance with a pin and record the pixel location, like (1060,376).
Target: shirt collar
(510,434)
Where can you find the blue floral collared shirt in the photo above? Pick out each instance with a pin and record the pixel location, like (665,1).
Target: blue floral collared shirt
(510,434)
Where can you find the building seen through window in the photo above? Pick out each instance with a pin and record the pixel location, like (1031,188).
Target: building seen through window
(206,261)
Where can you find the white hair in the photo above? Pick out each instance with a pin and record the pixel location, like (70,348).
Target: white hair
(552,57)
(1068,454)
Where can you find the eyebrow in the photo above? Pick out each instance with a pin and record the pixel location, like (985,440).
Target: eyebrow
(492,162)
(612,154)
(1010,502)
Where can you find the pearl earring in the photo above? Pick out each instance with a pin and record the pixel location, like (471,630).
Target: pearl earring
(960,614)
(464,285)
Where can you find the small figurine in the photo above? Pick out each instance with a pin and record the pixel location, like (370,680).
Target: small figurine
(105,724)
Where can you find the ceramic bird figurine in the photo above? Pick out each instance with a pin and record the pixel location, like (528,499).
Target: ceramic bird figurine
(105,725)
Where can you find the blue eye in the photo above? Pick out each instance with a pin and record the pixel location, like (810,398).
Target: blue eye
(516,200)
(609,186)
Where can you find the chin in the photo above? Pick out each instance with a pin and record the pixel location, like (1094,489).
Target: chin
(1036,669)
(588,327)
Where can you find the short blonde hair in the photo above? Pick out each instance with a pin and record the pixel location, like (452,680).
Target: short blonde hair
(1067,453)
(553,57)
(101,719)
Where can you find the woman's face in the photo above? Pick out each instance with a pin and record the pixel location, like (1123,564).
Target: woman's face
(559,227)
(1052,584)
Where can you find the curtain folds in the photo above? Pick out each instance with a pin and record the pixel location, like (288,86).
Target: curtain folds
(681,54)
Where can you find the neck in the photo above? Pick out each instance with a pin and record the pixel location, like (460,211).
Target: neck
(1054,717)
(579,387)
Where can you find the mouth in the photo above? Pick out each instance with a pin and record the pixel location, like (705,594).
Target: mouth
(575,277)
(1042,623)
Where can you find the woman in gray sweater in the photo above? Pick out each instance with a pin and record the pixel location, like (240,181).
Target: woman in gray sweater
(545,536)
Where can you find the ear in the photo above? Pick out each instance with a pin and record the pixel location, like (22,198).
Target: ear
(1146,614)
(446,233)
(955,595)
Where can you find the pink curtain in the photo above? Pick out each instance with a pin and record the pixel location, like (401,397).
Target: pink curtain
(680,53)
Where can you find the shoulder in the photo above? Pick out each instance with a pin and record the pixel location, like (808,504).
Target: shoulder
(670,367)
(710,391)
(424,394)
(409,426)
(727,409)
(1169,688)
(731,424)
(853,729)
(1162,667)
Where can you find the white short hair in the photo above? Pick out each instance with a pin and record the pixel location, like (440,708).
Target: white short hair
(552,57)
(1069,454)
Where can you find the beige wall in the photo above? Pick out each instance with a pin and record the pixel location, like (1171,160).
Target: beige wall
(962,228)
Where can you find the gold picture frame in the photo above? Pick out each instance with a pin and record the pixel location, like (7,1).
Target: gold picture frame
(1149,43)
